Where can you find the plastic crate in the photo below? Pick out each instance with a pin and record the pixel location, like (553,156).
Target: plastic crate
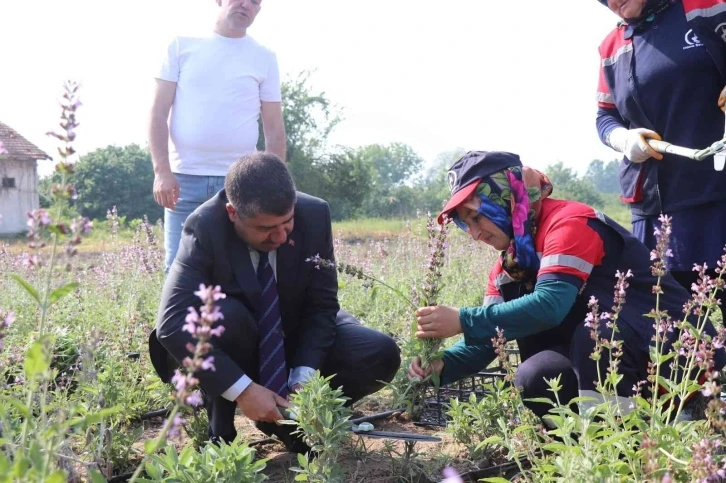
(435,402)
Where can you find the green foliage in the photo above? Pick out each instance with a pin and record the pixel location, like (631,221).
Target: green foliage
(569,186)
(471,422)
(322,416)
(115,176)
(215,463)
(604,176)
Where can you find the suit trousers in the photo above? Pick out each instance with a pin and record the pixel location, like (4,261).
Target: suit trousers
(362,360)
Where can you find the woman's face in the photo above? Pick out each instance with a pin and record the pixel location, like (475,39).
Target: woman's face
(480,227)
(627,8)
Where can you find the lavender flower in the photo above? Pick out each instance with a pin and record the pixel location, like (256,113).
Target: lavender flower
(6,319)
(176,425)
(661,251)
(704,465)
(200,324)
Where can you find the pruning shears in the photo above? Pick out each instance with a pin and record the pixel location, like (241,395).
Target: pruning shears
(717,149)
(366,429)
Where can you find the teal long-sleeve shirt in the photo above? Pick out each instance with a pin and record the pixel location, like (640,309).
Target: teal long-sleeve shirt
(545,308)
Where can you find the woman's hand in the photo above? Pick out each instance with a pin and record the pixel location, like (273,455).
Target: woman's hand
(415,371)
(722,100)
(438,322)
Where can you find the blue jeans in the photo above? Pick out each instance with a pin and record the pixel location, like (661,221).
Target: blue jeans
(193,191)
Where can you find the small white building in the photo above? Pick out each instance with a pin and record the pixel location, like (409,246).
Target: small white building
(19,180)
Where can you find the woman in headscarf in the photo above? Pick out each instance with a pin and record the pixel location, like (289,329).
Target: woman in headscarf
(555,256)
(662,75)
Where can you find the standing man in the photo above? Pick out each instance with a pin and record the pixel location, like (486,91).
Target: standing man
(282,320)
(215,87)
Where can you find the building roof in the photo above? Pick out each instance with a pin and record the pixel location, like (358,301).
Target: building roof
(18,147)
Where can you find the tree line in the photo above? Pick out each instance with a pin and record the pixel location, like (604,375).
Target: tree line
(377,180)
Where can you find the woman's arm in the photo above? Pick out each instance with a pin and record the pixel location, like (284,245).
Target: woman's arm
(543,309)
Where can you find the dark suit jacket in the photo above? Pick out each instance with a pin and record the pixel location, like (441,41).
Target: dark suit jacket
(211,252)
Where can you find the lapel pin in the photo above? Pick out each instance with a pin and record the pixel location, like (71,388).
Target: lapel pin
(291,242)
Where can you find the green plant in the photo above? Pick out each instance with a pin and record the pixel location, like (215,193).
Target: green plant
(648,436)
(322,418)
(215,463)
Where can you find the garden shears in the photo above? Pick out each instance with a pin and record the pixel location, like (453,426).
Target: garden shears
(717,149)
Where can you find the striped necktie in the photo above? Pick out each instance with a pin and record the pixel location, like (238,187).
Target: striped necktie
(273,371)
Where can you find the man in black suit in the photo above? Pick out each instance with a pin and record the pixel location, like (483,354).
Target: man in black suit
(281,315)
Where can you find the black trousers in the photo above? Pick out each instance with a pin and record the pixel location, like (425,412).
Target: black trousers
(543,358)
(362,360)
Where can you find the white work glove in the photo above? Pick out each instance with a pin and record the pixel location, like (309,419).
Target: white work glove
(632,143)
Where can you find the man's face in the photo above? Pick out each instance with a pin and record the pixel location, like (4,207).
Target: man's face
(263,232)
(239,14)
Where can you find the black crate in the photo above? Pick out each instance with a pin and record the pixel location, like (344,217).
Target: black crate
(435,402)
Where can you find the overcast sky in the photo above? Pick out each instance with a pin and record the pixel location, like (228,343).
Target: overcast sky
(437,75)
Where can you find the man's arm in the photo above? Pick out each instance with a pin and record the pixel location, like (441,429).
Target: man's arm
(166,187)
(273,127)
(321,307)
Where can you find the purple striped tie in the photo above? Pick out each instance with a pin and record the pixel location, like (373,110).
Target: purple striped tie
(273,371)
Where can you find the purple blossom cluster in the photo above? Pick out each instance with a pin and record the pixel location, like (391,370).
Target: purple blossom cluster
(6,319)
(201,325)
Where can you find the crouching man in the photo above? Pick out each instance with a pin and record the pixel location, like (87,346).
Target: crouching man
(282,320)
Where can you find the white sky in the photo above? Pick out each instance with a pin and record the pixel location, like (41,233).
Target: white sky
(477,74)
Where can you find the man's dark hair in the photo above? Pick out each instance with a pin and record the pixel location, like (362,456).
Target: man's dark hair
(260,183)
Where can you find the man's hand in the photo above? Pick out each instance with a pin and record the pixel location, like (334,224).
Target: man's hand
(166,190)
(438,322)
(632,143)
(415,371)
(260,404)
(722,100)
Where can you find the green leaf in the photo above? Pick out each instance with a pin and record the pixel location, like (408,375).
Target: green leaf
(57,477)
(97,477)
(61,292)
(22,408)
(495,479)
(301,477)
(149,446)
(436,379)
(542,400)
(35,361)
(26,285)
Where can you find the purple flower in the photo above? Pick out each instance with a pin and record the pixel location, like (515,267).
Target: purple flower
(176,424)
(208,364)
(194,399)
(451,476)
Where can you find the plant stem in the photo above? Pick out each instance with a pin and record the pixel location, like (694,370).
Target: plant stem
(162,438)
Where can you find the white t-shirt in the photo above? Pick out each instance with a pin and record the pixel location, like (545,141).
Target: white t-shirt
(220,84)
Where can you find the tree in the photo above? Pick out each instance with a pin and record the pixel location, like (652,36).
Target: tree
(567,185)
(344,181)
(604,176)
(115,176)
(309,119)
(394,163)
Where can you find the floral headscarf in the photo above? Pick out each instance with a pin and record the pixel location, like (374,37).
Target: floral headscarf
(512,199)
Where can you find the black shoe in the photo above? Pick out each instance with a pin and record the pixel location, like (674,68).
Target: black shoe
(293,442)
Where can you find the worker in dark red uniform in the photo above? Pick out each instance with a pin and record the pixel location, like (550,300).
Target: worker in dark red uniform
(556,256)
(662,73)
